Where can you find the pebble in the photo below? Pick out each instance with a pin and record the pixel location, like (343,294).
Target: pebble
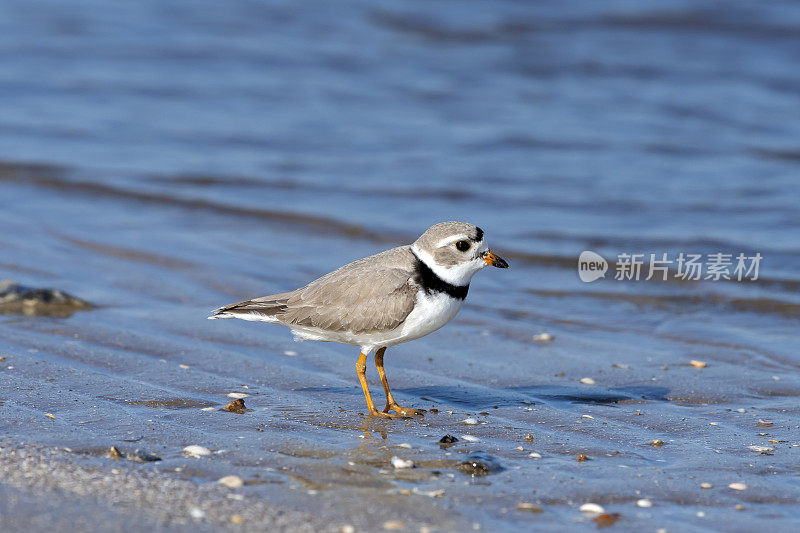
(290,353)
(534,455)
(765,423)
(237,519)
(737,486)
(619,365)
(347,528)
(470,421)
(448,439)
(185,367)
(529,507)
(587,381)
(394,525)
(591,508)
(543,337)
(197,513)
(232,482)
(656,442)
(114,453)
(528,438)
(141,456)
(582,457)
(399,463)
(208,409)
(697,364)
(605,520)
(196,451)
(237,395)
(706,485)
(236,406)
(761,449)
(405,445)
(480,464)
(51,416)
(470,438)
(644,503)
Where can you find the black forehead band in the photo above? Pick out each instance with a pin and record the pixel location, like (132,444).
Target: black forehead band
(478,234)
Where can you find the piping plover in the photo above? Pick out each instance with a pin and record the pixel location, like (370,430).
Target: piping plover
(395,296)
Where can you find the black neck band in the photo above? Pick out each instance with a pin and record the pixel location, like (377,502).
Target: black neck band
(430,282)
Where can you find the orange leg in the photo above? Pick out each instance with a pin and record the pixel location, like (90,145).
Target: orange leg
(361,370)
(391,405)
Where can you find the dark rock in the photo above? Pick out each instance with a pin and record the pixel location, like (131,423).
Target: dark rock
(447,440)
(141,456)
(480,464)
(18,299)
(236,406)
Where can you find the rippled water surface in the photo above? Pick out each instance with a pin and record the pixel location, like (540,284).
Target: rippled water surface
(162,159)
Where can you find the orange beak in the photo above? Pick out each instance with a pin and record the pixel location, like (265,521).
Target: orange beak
(495,261)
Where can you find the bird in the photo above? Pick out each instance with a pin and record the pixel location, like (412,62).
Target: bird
(382,300)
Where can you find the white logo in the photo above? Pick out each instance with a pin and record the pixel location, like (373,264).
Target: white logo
(591,266)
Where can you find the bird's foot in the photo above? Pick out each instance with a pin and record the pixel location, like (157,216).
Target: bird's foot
(405,412)
(384,414)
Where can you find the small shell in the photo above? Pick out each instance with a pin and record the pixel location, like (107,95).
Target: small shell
(196,451)
(232,482)
(592,508)
(399,463)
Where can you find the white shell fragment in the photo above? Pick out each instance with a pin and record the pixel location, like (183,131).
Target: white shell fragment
(737,486)
(761,449)
(587,381)
(438,493)
(196,451)
(400,463)
(592,508)
(470,421)
(232,482)
(644,503)
(237,395)
(543,337)
(470,438)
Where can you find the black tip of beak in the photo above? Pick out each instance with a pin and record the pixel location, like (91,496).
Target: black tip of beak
(499,262)
(494,260)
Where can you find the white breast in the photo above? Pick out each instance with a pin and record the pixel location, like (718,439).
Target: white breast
(431,312)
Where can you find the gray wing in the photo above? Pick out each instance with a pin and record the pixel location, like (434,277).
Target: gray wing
(369,295)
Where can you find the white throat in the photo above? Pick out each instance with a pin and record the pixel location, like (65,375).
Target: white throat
(458,275)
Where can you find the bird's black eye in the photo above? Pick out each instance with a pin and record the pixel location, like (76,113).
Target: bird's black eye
(462,246)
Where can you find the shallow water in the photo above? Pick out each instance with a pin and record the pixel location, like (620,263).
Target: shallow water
(162,161)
